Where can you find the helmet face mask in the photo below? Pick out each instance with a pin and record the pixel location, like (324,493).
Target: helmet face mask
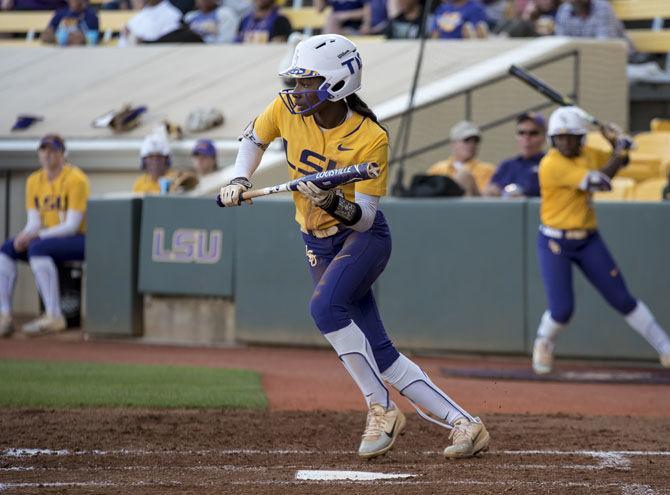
(331,57)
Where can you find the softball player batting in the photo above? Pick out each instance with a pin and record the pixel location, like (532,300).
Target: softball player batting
(325,125)
(569,173)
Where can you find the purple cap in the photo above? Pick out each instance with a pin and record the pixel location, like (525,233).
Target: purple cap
(53,141)
(204,147)
(535,117)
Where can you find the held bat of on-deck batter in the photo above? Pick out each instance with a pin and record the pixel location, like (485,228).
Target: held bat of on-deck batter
(542,87)
(327,179)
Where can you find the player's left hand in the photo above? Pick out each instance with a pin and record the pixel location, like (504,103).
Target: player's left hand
(315,194)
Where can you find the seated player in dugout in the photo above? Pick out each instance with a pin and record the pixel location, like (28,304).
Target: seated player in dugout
(264,25)
(155,162)
(569,174)
(462,166)
(56,197)
(517,177)
(203,157)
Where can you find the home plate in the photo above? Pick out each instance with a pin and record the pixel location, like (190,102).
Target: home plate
(347,475)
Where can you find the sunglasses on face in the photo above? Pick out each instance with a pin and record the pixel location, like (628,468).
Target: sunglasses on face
(523,132)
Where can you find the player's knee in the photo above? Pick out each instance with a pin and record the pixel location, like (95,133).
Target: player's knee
(38,248)
(563,314)
(8,247)
(623,302)
(328,315)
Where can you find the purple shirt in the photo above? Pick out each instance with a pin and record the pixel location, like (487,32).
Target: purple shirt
(449,19)
(520,171)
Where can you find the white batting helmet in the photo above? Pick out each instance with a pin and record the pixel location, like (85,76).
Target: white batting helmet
(567,120)
(155,144)
(331,56)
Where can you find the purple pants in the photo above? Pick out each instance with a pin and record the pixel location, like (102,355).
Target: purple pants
(343,269)
(70,248)
(596,263)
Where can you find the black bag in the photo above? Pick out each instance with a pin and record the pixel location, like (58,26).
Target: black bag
(433,186)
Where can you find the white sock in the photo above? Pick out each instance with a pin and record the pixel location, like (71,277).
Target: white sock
(46,277)
(549,328)
(643,322)
(413,383)
(354,350)
(7,279)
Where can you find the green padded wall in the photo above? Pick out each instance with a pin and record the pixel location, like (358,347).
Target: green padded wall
(187,247)
(113,305)
(272,282)
(456,275)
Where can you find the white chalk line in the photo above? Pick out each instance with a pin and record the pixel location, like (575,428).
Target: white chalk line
(30,452)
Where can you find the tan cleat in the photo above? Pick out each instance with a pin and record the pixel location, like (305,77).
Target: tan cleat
(382,428)
(543,356)
(665,360)
(6,326)
(44,325)
(469,438)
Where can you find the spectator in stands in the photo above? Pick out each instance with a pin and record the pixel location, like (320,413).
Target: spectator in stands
(538,18)
(214,23)
(157,19)
(75,25)
(379,16)
(517,176)
(666,190)
(458,19)
(495,10)
(588,19)
(347,17)
(32,4)
(407,24)
(155,161)
(462,166)
(204,157)
(265,24)
(56,197)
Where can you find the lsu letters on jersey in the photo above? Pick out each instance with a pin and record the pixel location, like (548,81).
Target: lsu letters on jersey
(564,205)
(310,149)
(68,191)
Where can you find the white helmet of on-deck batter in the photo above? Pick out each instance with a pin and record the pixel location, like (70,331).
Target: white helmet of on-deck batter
(567,120)
(331,56)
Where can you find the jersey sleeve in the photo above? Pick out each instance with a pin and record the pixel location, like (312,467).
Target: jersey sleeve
(554,172)
(31,193)
(377,186)
(77,193)
(266,124)
(598,157)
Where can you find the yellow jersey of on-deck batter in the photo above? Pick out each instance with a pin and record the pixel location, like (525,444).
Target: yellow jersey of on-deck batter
(564,205)
(68,191)
(311,149)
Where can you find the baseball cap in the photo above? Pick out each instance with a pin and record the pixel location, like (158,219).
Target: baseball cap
(464,130)
(53,141)
(535,117)
(204,147)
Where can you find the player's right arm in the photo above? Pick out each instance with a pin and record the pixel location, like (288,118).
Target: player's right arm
(253,143)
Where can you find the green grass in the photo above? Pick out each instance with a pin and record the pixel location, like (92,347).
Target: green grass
(57,384)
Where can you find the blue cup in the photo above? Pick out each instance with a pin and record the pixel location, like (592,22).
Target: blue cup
(164,184)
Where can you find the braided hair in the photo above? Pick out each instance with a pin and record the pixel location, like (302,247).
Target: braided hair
(359,106)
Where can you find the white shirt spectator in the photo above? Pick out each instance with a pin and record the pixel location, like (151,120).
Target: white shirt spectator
(152,23)
(218,26)
(601,23)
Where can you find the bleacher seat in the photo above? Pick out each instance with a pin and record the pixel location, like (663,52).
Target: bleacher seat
(662,125)
(650,189)
(653,40)
(622,190)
